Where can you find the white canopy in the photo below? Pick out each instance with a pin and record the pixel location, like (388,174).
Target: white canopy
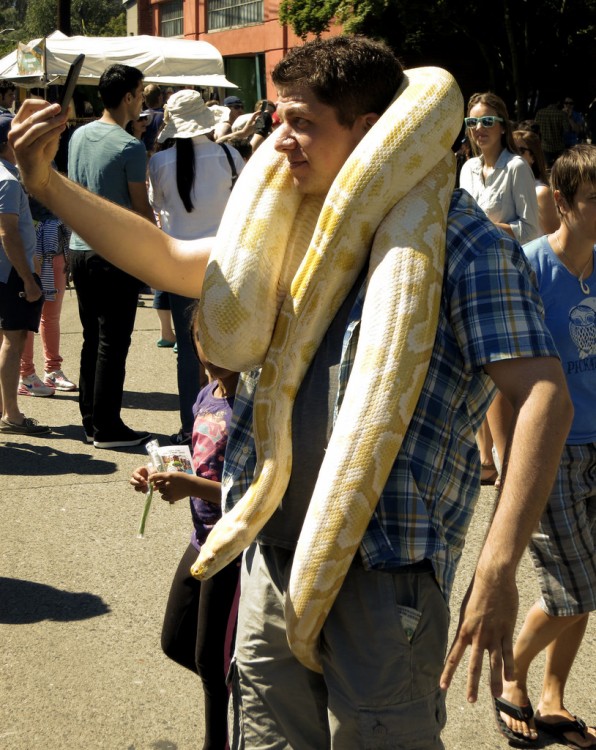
(168,61)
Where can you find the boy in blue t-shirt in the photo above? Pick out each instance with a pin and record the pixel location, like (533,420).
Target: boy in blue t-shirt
(563,548)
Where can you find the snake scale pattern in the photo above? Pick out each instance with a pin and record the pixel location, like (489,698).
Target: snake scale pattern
(282,265)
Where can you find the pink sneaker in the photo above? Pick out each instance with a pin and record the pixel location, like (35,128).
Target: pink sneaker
(59,381)
(32,386)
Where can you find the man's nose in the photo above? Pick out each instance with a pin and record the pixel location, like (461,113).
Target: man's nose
(283,140)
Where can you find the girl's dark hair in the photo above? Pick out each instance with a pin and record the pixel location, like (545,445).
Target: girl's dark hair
(532,141)
(185,171)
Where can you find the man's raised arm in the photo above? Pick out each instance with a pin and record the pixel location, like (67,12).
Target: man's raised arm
(120,236)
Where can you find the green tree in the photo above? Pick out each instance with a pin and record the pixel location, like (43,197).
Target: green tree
(89,18)
(527,51)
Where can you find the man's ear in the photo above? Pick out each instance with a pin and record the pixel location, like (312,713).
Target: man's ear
(369,120)
(560,202)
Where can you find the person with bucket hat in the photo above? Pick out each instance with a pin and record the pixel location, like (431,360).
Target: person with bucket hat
(189,186)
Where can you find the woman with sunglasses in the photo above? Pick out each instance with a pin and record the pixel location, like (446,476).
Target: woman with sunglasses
(529,146)
(503,185)
(498,178)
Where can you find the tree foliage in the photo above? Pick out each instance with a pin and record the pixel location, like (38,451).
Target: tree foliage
(88,18)
(527,51)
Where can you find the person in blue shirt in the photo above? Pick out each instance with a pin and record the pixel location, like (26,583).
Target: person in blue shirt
(563,548)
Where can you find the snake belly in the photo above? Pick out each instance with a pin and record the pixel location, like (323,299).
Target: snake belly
(388,203)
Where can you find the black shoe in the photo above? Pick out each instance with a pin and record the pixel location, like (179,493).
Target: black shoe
(123,438)
(181,438)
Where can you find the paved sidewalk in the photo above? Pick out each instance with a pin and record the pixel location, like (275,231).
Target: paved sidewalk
(81,598)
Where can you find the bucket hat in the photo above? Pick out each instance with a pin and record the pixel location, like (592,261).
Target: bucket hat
(186,116)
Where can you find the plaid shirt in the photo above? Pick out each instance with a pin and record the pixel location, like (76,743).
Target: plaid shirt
(490,311)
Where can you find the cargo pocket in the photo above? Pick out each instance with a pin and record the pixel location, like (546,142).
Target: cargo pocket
(415,725)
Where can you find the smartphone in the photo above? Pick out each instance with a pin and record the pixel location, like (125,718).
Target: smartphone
(264,105)
(71,81)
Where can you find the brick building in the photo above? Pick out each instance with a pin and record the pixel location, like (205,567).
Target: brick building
(246,32)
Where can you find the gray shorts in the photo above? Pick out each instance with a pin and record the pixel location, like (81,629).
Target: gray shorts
(563,549)
(379,687)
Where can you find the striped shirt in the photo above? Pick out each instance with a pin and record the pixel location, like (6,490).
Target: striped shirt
(490,311)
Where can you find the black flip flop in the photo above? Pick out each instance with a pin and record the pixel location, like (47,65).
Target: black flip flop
(558,729)
(522,713)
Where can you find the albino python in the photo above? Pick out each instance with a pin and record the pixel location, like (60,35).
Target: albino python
(281,266)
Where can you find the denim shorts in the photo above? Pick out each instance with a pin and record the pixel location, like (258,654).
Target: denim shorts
(16,314)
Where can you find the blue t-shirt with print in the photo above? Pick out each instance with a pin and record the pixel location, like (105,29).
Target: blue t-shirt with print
(570,316)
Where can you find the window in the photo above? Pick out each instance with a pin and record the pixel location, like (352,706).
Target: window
(224,14)
(170,18)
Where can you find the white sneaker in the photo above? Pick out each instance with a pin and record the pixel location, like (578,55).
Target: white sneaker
(33,386)
(59,381)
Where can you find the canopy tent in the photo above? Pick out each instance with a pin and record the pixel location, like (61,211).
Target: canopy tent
(167,61)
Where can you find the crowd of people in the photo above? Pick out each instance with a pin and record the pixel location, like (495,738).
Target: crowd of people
(507,399)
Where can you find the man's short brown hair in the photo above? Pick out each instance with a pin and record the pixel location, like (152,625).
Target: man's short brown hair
(354,75)
(574,168)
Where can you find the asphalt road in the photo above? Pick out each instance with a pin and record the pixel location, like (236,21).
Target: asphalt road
(81,597)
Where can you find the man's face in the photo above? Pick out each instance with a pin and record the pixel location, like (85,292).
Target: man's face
(314,143)
(136,102)
(582,216)
(235,111)
(7,98)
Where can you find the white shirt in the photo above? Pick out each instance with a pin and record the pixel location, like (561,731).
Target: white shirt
(210,193)
(509,194)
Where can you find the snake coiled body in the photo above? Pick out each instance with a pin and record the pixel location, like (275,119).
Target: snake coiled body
(282,265)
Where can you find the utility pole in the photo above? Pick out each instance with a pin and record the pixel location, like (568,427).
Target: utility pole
(64,17)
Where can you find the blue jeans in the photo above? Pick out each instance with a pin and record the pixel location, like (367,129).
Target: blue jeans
(107,300)
(188,364)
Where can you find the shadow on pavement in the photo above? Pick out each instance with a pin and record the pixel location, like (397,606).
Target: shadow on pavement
(23,602)
(152,401)
(27,459)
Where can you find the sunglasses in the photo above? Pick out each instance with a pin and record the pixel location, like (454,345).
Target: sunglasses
(487,121)
(237,106)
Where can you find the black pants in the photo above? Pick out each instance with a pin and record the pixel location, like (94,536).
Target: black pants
(194,635)
(107,300)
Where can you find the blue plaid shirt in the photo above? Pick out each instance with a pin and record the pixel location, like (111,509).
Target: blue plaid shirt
(490,311)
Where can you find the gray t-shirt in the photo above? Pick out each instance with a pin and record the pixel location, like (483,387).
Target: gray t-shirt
(312,425)
(104,158)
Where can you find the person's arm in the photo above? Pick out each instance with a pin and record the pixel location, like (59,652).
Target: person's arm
(140,201)
(245,132)
(15,252)
(176,485)
(537,390)
(526,225)
(159,260)
(547,210)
